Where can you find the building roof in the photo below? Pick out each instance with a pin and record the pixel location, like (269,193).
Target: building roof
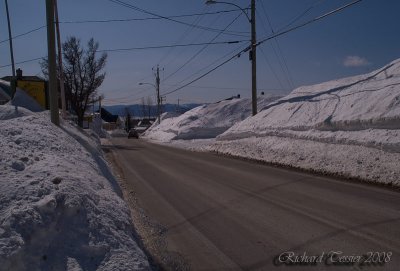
(25,78)
(107,116)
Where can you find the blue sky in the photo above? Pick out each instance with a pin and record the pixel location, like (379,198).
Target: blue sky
(357,40)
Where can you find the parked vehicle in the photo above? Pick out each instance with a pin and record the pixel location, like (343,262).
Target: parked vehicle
(133,133)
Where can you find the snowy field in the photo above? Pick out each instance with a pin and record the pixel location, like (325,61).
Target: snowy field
(61,208)
(348,127)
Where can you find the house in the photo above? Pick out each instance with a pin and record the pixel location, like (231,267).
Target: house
(110,121)
(35,86)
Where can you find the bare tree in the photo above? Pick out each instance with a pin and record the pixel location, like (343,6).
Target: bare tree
(83,74)
(149,106)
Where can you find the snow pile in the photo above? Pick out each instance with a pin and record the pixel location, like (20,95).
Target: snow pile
(59,203)
(351,104)
(206,121)
(349,126)
(22,99)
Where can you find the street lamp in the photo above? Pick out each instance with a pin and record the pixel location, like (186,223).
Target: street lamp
(158,98)
(253,52)
(212,2)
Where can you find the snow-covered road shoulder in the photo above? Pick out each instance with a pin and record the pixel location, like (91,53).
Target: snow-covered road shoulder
(60,208)
(348,127)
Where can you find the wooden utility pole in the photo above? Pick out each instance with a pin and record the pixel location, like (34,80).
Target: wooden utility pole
(253,48)
(158,94)
(253,55)
(13,82)
(52,65)
(60,65)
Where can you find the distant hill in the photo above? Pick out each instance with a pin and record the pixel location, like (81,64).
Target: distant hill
(135,109)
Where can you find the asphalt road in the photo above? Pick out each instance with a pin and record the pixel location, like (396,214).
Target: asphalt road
(227,214)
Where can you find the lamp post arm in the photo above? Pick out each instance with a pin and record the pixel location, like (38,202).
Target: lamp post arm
(232,4)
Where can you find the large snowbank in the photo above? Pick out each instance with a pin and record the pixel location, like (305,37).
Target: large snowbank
(206,121)
(370,101)
(22,99)
(349,127)
(60,208)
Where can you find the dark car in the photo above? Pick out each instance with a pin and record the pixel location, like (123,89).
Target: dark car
(133,133)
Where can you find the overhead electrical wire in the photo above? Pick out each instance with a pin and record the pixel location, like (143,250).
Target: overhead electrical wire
(25,61)
(198,35)
(130,6)
(144,48)
(121,20)
(298,17)
(149,18)
(271,68)
(207,73)
(171,46)
(265,40)
(24,34)
(236,54)
(202,49)
(308,22)
(234,51)
(279,62)
(182,37)
(278,53)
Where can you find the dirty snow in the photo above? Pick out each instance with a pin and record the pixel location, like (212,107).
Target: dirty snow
(60,206)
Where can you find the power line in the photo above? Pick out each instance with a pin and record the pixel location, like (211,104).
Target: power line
(207,73)
(263,41)
(24,34)
(150,18)
(232,88)
(171,46)
(309,22)
(122,20)
(119,2)
(182,37)
(270,66)
(279,55)
(298,17)
(21,62)
(202,49)
(211,64)
(279,62)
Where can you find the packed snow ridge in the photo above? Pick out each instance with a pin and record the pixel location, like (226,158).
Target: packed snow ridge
(60,207)
(206,121)
(348,127)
